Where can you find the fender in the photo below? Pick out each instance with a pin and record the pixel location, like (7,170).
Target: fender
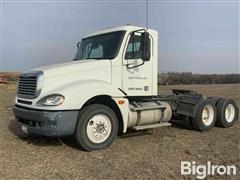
(77,93)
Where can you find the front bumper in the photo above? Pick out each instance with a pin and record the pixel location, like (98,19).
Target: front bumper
(47,123)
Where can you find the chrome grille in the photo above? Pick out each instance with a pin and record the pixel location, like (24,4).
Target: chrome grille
(27,85)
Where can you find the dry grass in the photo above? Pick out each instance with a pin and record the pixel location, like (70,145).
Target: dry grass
(152,154)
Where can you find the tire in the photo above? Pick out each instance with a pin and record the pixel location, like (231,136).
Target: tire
(205,116)
(96,128)
(227,113)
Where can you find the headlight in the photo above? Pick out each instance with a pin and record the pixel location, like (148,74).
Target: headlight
(51,100)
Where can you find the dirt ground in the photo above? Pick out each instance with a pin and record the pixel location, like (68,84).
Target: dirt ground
(151,154)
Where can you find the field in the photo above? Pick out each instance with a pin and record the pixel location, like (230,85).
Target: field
(151,154)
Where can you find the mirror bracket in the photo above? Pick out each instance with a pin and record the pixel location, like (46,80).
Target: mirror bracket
(131,67)
(145,49)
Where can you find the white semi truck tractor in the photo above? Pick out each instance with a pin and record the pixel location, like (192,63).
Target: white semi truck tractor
(109,87)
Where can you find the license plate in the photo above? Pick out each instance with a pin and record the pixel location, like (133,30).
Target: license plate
(24,129)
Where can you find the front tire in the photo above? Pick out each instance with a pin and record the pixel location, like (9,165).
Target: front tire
(96,128)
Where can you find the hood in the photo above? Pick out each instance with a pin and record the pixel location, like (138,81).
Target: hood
(73,67)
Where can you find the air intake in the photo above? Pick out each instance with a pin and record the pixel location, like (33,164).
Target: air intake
(28,85)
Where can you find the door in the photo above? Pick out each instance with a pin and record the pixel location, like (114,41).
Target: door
(137,74)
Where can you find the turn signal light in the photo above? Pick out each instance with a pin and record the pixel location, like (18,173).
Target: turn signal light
(120,102)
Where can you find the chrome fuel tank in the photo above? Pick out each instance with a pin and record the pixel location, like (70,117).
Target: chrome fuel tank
(144,113)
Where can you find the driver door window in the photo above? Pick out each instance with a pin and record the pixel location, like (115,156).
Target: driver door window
(134,48)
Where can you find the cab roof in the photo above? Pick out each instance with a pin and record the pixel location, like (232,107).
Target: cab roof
(118,28)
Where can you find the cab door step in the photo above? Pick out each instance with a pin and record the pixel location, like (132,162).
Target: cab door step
(150,126)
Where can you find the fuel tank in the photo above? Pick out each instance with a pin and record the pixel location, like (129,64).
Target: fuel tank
(144,113)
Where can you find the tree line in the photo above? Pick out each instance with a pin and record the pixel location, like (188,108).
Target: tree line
(172,78)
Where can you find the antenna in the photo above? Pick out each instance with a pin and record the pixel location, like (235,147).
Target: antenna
(147,14)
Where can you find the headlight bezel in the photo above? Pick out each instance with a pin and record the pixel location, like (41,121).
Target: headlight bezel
(43,101)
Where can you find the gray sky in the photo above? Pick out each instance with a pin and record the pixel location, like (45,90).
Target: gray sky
(197,36)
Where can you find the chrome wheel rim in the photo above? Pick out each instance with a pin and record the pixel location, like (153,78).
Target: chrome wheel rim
(207,115)
(229,113)
(99,128)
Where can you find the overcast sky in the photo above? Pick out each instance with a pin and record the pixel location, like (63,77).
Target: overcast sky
(197,36)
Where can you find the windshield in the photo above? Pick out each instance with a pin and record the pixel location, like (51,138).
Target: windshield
(104,46)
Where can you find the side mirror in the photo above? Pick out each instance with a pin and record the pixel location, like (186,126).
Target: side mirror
(145,41)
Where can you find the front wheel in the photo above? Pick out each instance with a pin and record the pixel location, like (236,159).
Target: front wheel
(96,128)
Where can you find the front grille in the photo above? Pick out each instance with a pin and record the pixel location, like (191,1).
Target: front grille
(27,85)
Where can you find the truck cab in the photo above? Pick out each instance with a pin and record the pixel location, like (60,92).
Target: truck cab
(109,86)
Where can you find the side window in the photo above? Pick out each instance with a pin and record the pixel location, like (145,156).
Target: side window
(134,48)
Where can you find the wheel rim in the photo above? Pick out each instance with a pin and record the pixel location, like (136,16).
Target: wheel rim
(229,113)
(207,115)
(99,128)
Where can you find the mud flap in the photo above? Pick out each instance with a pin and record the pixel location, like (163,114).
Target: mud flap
(187,102)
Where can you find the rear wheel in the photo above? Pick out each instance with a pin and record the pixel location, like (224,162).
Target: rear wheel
(205,117)
(226,113)
(97,127)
